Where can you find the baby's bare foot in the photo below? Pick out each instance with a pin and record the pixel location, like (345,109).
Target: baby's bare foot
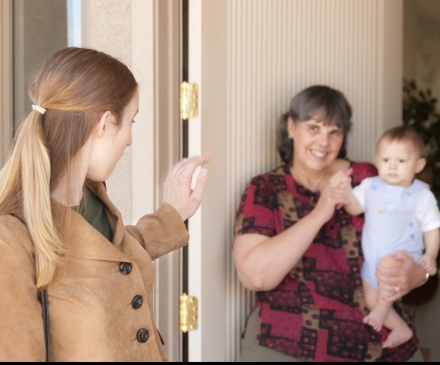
(376,317)
(397,337)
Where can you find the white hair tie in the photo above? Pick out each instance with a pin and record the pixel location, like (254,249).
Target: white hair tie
(38,109)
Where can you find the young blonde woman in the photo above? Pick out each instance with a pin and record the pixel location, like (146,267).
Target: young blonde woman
(60,232)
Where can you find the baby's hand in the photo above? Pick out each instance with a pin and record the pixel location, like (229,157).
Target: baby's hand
(429,263)
(340,180)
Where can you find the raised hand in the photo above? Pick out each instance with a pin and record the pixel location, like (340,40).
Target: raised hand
(341,180)
(177,189)
(331,197)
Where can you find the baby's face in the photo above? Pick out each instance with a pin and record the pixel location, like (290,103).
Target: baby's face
(398,162)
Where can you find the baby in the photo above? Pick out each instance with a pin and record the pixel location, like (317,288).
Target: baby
(401,214)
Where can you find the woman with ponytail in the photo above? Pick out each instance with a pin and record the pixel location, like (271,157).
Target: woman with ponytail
(60,233)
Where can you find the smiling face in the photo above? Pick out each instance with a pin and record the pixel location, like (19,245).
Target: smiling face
(110,141)
(316,144)
(398,162)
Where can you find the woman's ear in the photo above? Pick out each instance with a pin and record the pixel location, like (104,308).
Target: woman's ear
(420,165)
(290,127)
(102,126)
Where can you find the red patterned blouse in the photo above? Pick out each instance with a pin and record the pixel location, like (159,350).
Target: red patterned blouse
(316,312)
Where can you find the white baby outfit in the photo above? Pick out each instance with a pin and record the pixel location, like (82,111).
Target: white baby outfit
(395,220)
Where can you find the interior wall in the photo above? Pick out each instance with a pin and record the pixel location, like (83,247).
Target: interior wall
(32,47)
(6,105)
(410,37)
(421,63)
(142,34)
(108,29)
(273,50)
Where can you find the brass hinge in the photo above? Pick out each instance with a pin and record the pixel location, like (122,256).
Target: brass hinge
(188,100)
(188,313)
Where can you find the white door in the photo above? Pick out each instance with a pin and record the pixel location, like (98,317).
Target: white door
(249,58)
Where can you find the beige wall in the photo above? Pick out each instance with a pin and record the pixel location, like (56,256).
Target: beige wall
(108,29)
(40,28)
(418,13)
(272,50)
(124,29)
(6,105)
(127,30)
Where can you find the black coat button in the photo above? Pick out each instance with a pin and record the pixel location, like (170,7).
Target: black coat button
(125,268)
(143,335)
(137,301)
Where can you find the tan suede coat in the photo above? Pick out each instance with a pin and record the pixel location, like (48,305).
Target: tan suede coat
(91,311)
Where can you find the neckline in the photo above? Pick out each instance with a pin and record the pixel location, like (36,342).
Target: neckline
(299,182)
(289,170)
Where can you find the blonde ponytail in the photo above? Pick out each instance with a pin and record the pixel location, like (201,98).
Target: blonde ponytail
(29,164)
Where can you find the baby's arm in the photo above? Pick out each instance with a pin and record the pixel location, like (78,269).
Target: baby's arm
(432,243)
(341,180)
(428,214)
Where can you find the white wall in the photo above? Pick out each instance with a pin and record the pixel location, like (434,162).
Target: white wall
(124,29)
(255,56)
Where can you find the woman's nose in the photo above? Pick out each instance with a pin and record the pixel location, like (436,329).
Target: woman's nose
(324,139)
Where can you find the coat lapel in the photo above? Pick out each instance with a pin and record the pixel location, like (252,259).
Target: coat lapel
(85,241)
(113,214)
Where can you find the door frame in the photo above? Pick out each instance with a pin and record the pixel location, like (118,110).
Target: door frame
(168,151)
(6,82)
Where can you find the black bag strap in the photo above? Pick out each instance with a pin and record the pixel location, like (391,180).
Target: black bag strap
(44,299)
(45,308)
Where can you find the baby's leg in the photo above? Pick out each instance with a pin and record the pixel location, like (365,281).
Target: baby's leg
(400,332)
(378,306)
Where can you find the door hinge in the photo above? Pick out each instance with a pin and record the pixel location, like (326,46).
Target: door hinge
(188,313)
(189,96)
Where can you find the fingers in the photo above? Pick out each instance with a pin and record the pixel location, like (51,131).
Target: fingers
(178,191)
(349,172)
(394,297)
(197,193)
(189,165)
(405,275)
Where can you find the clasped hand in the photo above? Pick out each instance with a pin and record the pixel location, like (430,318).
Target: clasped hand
(334,195)
(177,189)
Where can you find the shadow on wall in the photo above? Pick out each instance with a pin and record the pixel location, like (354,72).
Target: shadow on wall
(422,111)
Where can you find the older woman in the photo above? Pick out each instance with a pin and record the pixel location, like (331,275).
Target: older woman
(303,257)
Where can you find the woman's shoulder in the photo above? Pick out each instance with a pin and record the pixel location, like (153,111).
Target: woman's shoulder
(11,223)
(275,173)
(14,235)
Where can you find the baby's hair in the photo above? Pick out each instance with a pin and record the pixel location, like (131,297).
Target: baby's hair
(402,133)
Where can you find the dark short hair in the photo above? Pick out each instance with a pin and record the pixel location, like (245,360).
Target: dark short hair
(406,134)
(328,105)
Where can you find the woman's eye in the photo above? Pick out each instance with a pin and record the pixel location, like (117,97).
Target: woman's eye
(401,161)
(133,121)
(385,160)
(336,132)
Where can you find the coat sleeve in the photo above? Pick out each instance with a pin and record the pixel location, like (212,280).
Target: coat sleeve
(160,232)
(21,324)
